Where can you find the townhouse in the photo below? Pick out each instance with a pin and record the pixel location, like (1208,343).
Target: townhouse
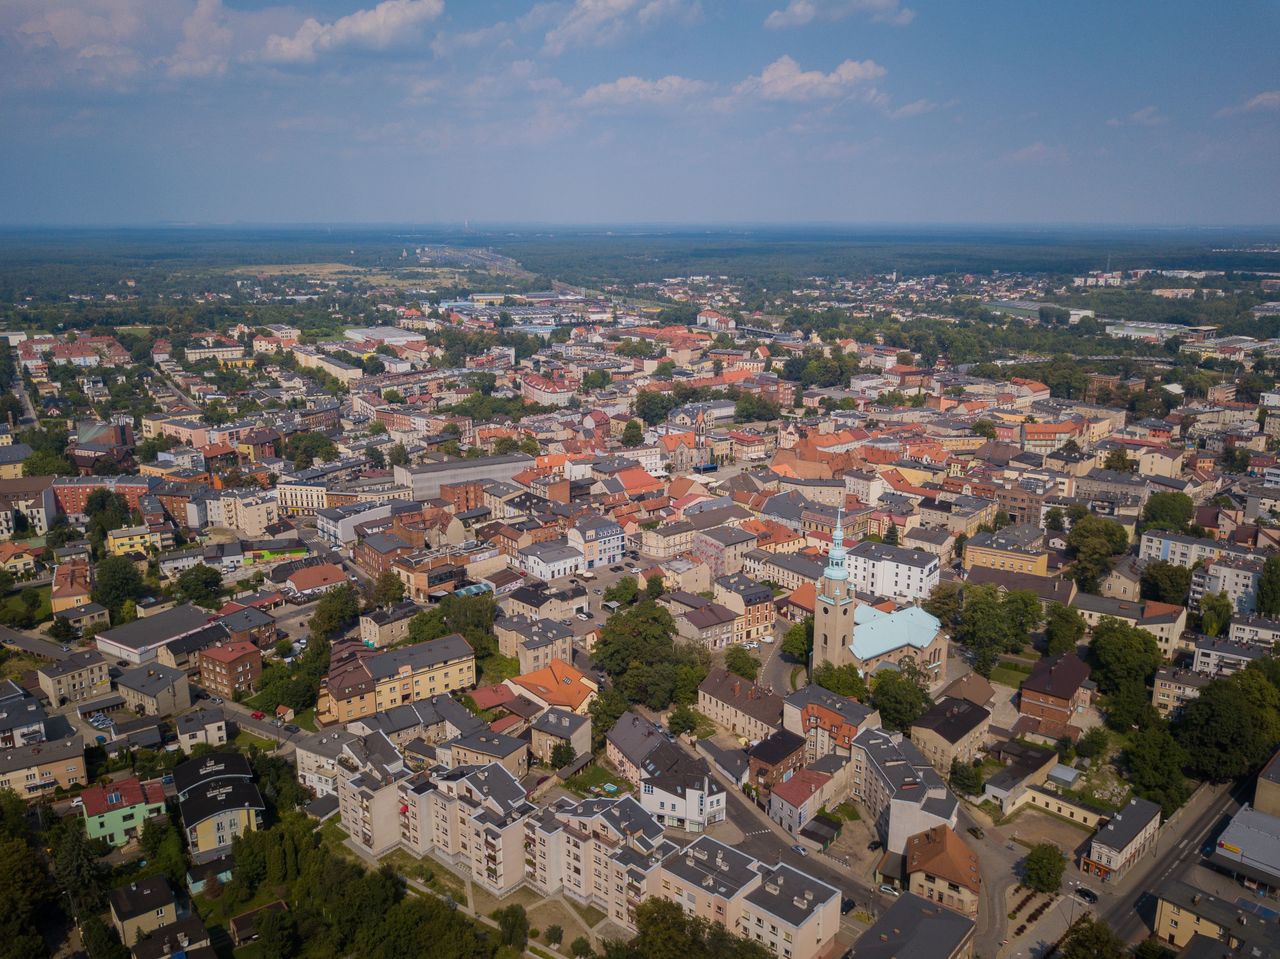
(83,675)
(739,705)
(898,787)
(751,602)
(362,682)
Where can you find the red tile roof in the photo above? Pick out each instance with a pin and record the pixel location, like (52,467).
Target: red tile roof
(126,792)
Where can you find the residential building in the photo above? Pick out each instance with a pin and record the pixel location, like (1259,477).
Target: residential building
(917,928)
(1216,656)
(142,907)
(228,669)
(751,602)
(81,676)
(773,760)
(739,705)
(1018,549)
(218,801)
(896,785)
(154,690)
(207,725)
(630,742)
(896,572)
(1167,622)
(1174,688)
(362,682)
(558,726)
(941,868)
(687,798)
(598,540)
(1126,837)
(386,627)
(43,766)
(723,548)
(117,811)
(485,748)
(534,643)
(829,723)
(557,684)
(1056,689)
(952,730)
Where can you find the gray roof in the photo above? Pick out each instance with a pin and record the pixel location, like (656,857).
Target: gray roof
(489,743)
(1257,836)
(952,718)
(743,695)
(248,618)
(150,680)
(709,864)
(559,722)
(421,655)
(917,928)
(157,629)
(728,535)
(850,709)
(81,659)
(1126,825)
(199,720)
(635,737)
(902,555)
(789,894)
(23,757)
(394,614)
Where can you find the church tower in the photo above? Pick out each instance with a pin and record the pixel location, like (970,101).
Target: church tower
(833,607)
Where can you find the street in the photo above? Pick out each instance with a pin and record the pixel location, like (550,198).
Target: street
(32,643)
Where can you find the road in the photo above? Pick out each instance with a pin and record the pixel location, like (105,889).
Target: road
(1132,912)
(31,643)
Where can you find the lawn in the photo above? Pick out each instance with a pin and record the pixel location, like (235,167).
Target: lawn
(590,914)
(1010,674)
(44,611)
(494,669)
(244,740)
(595,776)
(306,719)
(429,872)
(15,664)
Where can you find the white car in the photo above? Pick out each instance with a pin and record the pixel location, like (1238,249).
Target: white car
(767,639)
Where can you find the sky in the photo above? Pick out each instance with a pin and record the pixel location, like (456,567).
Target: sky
(639,111)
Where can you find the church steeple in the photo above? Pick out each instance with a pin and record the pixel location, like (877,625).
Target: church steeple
(836,562)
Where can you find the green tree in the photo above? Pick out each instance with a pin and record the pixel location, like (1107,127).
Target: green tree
(985,428)
(1154,762)
(47,464)
(554,934)
(335,610)
(1165,582)
(1230,729)
(1094,743)
(1269,588)
(1215,613)
(985,628)
(1123,655)
(562,755)
(100,940)
(388,589)
(1118,460)
(891,535)
(61,630)
(737,660)
(624,592)
(1053,520)
(1091,938)
(1024,611)
(1064,628)
(901,695)
(513,926)
(304,448)
(116,579)
(1092,544)
(277,931)
(27,893)
(682,719)
(632,434)
(654,587)
(965,778)
(1171,511)
(78,870)
(842,680)
(201,585)
(798,640)
(580,947)
(945,603)
(1043,867)
(398,455)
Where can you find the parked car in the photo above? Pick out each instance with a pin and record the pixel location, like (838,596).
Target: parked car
(796,847)
(258,714)
(977,833)
(216,700)
(888,890)
(291,729)
(77,803)
(874,845)
(1086,894)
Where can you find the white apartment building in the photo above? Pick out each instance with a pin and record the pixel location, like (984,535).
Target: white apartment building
(893,571)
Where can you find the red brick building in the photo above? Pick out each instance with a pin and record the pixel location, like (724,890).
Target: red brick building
(230,667)
(1056,688)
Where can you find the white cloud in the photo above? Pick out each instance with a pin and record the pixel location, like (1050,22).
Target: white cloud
(206,43)
(784,80)
(1038,152)
(1267,100)
(1148,116)
(913,109)
(798,13)
(374,29)
(627,91)
(598,23)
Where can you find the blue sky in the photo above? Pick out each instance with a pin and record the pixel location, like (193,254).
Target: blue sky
(611,111)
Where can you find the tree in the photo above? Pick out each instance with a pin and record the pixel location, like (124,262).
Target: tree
(25,886)
(580,947)
(1171,511)
(1118,460)
(682,719)
(624,592)
(1165,582)
(737,660)
(47,464)
(201,585)
(1269,588)
(965,778)
(632,434)
(654,587)
(562,755)
(1023,608)
(1091,938)
(1154,763)
(61,630)
(1124,656)
(398,455)
(388,589)
(554,934)
(116,579)
(842,680)
(798,640)
(945,603)
(1043,867)
(1053,520)
(513,926)
(1230,729)
(985,428)
(1064,628)
(1091,544)
(985,628)
(336,609)
(306,447)
(891,535)
(277,931)
(77,868)
(901,695)
(1215,613)
(1094,743)
(100,940)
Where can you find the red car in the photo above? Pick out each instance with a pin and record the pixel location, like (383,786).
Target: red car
(258,714)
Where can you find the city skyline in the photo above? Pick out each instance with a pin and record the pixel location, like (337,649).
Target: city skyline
(625,111)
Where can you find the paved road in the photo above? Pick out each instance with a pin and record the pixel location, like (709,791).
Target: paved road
(1132,912)
(30,643)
